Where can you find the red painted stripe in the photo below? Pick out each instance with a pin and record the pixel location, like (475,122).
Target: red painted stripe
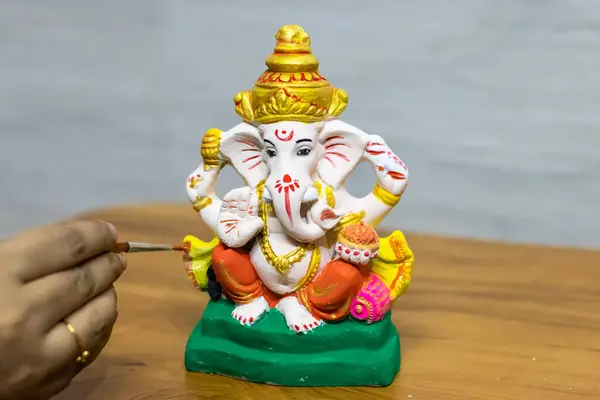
(246,142)
(396,175)
(255,165)
(340,155)
(251,158)
(288,207)
(335,145)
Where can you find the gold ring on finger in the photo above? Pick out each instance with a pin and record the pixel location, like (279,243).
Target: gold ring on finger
(83,354)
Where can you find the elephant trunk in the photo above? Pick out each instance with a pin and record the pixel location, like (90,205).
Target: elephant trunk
(288,194)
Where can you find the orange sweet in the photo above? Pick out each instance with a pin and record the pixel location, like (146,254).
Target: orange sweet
(359,235)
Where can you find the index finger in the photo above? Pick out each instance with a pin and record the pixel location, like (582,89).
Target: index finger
(53,248)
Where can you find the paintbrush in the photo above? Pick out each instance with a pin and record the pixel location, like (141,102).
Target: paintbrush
(139,247)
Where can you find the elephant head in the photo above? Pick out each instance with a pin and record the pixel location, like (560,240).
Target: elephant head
(290,156)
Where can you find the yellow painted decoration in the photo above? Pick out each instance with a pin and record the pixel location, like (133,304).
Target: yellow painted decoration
(329,196)
(385,197)
(195,181)
(326,191)
(394,263)
(210,148)
(319,186)
(291,89)
(201,203)
(200,256)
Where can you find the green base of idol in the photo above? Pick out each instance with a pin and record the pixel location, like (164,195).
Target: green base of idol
(350,353)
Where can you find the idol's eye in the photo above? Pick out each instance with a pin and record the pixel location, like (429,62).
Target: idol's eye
(303,152)
(271,153)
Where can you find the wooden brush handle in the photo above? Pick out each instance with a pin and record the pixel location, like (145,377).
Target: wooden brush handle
(121,248)
(125,247)
(179,247)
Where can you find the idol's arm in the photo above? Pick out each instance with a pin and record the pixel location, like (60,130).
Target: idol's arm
(200,191)
(392,179)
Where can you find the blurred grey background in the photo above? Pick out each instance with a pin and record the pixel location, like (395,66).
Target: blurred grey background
(493,105)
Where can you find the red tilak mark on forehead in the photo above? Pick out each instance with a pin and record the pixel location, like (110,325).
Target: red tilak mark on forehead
(284,136)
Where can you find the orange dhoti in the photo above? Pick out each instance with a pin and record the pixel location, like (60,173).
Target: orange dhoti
(328,297)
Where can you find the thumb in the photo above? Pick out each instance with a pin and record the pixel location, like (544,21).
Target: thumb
(255,225)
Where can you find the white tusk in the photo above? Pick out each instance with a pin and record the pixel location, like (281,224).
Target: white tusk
(311,194)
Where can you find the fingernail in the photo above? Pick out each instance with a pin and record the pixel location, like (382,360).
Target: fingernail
(112,228)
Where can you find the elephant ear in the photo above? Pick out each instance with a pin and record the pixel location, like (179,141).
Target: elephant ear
(343,148)
(242,146)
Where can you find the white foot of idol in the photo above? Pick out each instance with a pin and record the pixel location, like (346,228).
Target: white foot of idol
(297,317)
(248,314)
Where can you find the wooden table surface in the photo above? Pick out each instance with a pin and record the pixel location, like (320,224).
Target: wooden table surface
(481,321)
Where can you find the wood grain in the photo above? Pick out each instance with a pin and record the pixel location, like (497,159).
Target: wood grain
(481,321)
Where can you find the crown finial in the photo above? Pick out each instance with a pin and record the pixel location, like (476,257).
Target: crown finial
(292,51)
(292,39)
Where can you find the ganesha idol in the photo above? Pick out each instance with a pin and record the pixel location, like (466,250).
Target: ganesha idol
(293,249)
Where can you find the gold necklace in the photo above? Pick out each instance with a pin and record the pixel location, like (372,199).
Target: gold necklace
(280,263)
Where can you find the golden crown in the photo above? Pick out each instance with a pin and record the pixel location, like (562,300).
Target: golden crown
(292,88)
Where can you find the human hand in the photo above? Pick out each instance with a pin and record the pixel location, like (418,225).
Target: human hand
(62,272)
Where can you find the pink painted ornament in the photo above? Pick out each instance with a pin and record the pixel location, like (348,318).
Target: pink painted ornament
(372,302)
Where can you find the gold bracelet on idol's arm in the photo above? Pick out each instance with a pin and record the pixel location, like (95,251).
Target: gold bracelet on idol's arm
(201,203)
(385,196)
